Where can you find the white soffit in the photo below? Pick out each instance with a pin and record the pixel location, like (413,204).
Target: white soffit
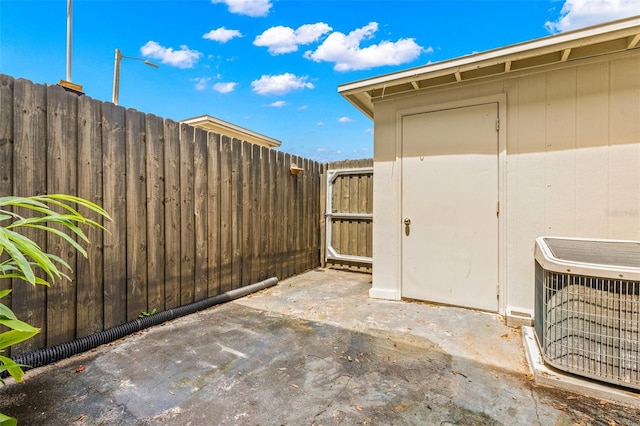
(593,41)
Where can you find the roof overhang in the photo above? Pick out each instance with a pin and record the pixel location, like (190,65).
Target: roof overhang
(220,126)
(593,41)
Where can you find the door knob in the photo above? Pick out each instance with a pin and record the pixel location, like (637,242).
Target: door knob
(407,221)
(407,228)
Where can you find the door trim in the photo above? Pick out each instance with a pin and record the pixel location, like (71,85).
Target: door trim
(501,100)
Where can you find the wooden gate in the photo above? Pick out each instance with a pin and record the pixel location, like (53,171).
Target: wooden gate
(348,213)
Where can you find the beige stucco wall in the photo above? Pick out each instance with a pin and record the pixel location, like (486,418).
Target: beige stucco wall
(570,165)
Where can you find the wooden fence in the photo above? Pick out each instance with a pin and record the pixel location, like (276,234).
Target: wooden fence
(351,235)
(194,213)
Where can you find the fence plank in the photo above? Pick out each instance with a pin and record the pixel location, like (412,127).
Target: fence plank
(236,213)
(311,197)
(89,271)
(172,211)
(115,243)
(299,203)
(200,214)
(354,225)
(246,207)
(338,239)
(318,215)
(275,269)
(225,215)
(187,240)
(29,176)
(136,191)
(6,139)
(264,193)
(255,222)
(277,219)
(363,226)
(323,219)
(213,205)
(6,157)
(154,130)
(62,137)
(287,216)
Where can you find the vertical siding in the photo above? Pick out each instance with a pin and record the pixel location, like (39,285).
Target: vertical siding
(592,155)
(624,154)
(560,158)
(526,148)
(579,128)
(572,163)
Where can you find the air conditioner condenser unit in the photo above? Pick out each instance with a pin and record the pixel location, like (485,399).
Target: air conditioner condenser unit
(587,307)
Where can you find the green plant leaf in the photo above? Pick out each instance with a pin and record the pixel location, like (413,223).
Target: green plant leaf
(16,255)
(67,237)
(11,367)
(7,421)
(24,256)
(13,337)
(82,202)
(16,324)
(6,313)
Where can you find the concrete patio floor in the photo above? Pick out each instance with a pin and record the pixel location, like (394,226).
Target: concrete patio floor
(313,350)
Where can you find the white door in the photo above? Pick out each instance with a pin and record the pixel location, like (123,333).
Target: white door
(450,200)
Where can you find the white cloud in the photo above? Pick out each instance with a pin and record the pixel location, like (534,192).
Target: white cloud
(224,87)
(320,123)
(252,8)
(281,39)
(360,151)
(280,84)
(344,119)
(347,54)
(583,13)
(201,83)
(183,58)
(368,130)
(222,35)
(303,107)
(278,104)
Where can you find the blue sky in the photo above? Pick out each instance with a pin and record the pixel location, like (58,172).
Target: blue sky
(272,66)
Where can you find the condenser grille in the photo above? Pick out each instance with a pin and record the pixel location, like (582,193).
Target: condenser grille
(591,326)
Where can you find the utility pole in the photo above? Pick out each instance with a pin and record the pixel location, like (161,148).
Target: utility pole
(116,72)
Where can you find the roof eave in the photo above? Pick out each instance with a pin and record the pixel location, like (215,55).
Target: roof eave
(268,141)
(557,48)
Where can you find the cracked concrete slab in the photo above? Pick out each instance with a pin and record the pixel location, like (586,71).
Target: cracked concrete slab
(312,350)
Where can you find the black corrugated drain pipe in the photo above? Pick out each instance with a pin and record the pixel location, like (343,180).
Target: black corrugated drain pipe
(50,355)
